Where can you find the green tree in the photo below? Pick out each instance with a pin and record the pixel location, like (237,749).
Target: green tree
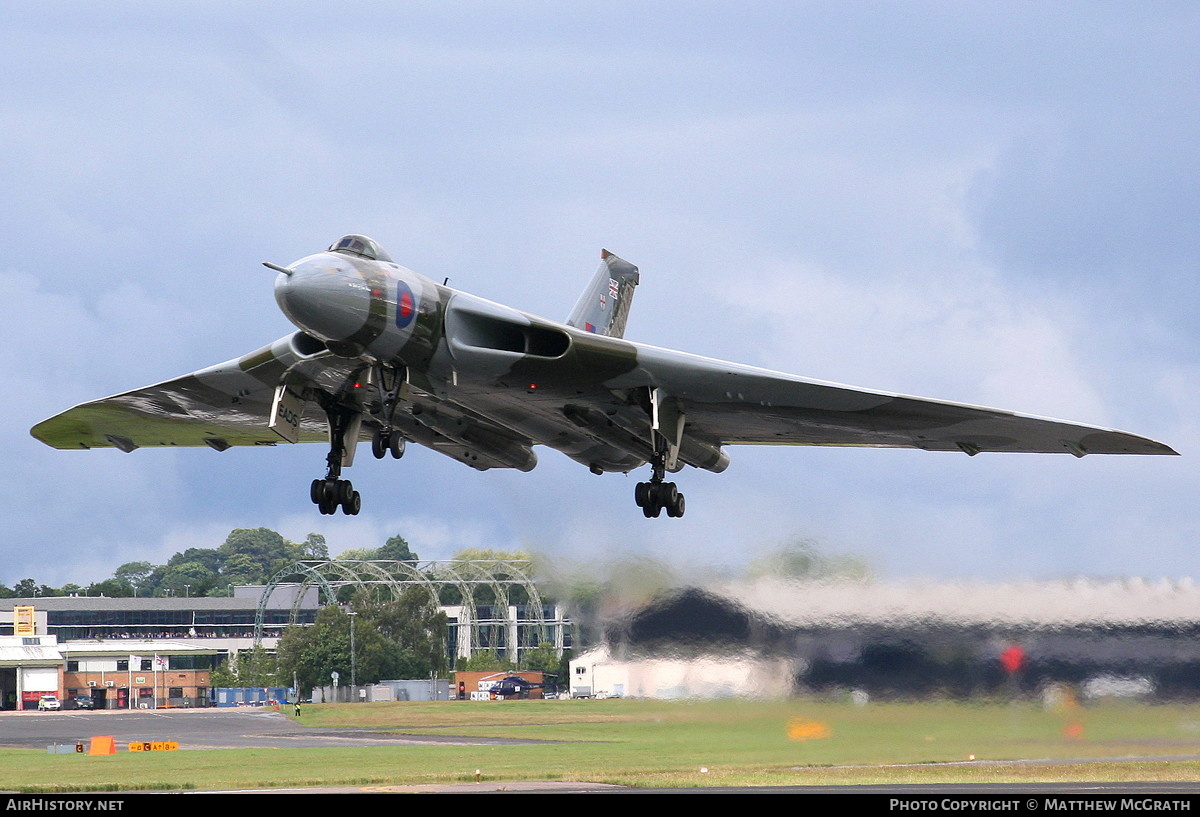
(416,629)
(250,668)
(314,547)
(542,658)
(261,547)
(486,660)
(28,588)
(242,569)
(310,654)
(113,588)
(358,554)
(210,558)
(188,578)
(802,559)
(396,548)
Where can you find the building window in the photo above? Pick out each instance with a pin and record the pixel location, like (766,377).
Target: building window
(72,666)
(122,665)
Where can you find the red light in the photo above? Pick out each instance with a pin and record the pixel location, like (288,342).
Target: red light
(532,386)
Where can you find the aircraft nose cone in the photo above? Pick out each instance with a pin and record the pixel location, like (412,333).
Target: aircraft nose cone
(328,303)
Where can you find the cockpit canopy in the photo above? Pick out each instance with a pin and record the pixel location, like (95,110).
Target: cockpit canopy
(361,246)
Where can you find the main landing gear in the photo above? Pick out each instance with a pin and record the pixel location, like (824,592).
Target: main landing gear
(655,496)
(332,493)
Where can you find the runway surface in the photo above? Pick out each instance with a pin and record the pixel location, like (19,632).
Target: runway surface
(234,728)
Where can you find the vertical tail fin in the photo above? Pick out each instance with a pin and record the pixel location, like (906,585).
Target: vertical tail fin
(604,306)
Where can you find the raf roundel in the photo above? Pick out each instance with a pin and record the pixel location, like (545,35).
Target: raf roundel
(406,305)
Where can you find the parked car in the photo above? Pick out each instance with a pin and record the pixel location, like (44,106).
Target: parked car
(84,702)
(49,702)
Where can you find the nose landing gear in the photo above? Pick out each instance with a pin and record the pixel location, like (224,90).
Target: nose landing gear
(392,383)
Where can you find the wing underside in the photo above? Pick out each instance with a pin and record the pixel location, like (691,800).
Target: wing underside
(230,405)
(722,404)
(222,406)
(729,404)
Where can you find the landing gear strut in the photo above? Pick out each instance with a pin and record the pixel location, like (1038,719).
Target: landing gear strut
(332,493)
(655,496)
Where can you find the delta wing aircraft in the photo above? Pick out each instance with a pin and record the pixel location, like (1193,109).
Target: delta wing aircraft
(387,356)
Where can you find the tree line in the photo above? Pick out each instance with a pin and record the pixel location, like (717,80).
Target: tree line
(247,556)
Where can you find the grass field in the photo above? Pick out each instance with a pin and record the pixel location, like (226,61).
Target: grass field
(655,743)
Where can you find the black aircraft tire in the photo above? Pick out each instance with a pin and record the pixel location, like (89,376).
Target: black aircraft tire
(353,505)
(396,446)
(379,444)
(641,494)
(316,491)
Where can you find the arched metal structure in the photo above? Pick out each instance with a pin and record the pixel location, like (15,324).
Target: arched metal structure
(386,579)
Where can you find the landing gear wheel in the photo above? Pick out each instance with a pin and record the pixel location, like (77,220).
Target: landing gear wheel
(328,503)
(316,491)
(396,446)
(353,505)
(380,443)
(655,497)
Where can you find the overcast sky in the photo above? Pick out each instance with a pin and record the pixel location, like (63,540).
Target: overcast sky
(994,203)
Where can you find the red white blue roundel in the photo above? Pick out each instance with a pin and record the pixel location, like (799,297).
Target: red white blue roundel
(406,305)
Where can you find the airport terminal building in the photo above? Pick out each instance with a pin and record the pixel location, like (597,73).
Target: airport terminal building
(154,652)
(128,652)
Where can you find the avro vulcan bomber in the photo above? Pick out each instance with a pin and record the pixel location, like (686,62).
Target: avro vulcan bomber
(386,356)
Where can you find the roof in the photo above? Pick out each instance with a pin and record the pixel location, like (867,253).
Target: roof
(85,603)
(1068,603)
(25,655)
(131,646)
